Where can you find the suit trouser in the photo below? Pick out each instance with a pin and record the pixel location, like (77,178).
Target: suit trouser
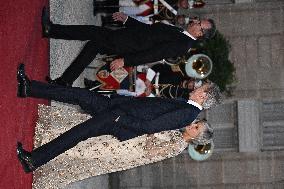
(102,124)
(99,43)
(109,6)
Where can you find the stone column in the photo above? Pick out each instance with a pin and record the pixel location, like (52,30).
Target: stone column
(249,126)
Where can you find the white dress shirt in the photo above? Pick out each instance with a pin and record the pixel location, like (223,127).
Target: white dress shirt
(188,34)
(195,104)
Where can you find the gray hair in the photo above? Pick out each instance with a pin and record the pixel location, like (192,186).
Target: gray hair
(210,32)
(206,136)
(214,96)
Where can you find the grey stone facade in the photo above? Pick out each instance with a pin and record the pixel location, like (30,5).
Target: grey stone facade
(249,127)
(224,170)
(256,33)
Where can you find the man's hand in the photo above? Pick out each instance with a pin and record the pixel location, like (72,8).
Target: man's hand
(148,89)
(119,16)
(148,83)
(117,63)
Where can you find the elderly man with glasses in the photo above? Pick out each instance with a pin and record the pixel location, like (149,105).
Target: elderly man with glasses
(135,44)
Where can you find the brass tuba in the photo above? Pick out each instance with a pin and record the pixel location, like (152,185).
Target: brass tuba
(200,152)
(197,66)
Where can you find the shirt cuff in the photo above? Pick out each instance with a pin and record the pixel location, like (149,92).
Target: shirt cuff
(125,20)
(195,104)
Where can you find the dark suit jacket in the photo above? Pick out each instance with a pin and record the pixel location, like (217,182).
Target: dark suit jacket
(137,116)
(140,116)
(167,76)
(141,43)
(122,117)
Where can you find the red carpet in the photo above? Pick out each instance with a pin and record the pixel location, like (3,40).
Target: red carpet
(20,41)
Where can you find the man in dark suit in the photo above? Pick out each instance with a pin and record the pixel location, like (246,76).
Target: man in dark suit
(118,116)
(135,44)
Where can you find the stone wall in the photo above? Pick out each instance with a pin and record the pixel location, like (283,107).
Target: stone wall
(256,33)
(224,170)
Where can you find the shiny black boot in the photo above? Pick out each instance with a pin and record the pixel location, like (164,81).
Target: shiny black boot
(24,84)
(25,158)
(45,22)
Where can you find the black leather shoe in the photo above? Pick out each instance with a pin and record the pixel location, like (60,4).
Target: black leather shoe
(24,84)
(45,22)
(57,81)
(25,158)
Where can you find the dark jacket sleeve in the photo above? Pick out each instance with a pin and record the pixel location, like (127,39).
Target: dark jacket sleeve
(131,22)
(157,53)
(175,92)
(175,119)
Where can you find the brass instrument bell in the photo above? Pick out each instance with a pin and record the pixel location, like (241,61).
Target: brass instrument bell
(198,66)
(200,152)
